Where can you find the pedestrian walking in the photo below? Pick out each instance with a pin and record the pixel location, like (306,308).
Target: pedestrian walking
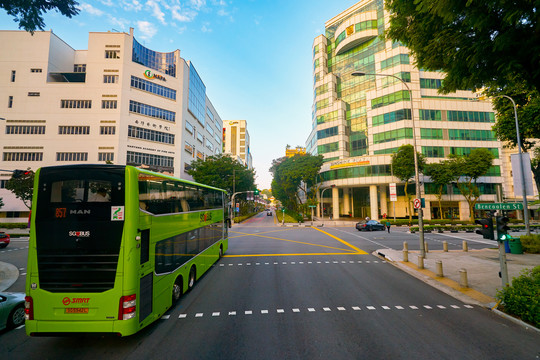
(388,226)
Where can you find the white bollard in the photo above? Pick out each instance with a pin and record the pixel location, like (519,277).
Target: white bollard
(445,246)
(465,246)
(420,262)
(405,256)
(426,249)
(463,282)
(405,246)
(439,268)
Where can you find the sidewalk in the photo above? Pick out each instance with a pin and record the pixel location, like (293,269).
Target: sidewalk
(482,271)
(8,275)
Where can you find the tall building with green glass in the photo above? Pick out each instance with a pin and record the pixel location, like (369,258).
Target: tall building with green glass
(359,121)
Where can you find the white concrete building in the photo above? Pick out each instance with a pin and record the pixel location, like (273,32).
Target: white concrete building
(236,141)
(118,101)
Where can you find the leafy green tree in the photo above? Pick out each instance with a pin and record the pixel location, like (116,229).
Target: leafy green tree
(294,174)
(441,174)
(221,171)
(528,112)
(470,167)
(403,168)
(28,13)
(475,43)
(23,187)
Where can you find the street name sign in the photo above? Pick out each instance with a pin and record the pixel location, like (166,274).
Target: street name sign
(499,206)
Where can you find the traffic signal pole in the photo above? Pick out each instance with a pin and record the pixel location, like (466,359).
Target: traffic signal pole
(502,236)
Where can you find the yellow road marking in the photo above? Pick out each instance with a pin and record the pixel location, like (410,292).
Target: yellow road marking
(305,254)
(342,241)
(298,242)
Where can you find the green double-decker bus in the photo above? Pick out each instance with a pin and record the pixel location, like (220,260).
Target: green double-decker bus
(113,247)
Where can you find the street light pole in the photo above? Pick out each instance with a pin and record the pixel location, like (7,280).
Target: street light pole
(322,200)
(416,172)
(523,185)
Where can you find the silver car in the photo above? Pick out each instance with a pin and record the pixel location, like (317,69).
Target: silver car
(11,310)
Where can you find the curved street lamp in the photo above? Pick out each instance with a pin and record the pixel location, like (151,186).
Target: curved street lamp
(416,172)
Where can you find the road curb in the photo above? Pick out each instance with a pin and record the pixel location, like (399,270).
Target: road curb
(8,275)
(516,320)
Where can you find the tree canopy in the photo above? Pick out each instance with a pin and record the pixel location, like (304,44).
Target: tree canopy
(22,187)
(441,174)
(294,174)
(475,43)
(28,13)
(220,171)
(403,168)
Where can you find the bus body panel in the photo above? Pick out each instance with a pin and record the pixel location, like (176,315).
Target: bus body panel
(143,267)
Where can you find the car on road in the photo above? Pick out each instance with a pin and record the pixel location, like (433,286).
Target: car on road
(369,225)
(11,310)
(4,239)
(268,213)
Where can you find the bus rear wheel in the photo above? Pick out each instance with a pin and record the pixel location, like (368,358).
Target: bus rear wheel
(192,277)
(220,251)
(177,290)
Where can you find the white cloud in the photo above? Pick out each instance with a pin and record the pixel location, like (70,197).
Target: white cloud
(107,2)
(121,23)
(129,5)
(184,15)
(156,10)
(198,4)
(90,9)
(206,27)
(147,29)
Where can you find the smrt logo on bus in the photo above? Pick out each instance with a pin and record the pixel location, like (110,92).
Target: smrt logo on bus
(205,216)
(79,233)
(66,301)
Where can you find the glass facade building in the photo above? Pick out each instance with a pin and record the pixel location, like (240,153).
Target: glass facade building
(162,62)
(359,121)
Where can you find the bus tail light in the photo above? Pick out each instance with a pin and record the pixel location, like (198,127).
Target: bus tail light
(28,308)
(128,307)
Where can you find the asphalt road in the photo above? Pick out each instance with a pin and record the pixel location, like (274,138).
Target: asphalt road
(302,293)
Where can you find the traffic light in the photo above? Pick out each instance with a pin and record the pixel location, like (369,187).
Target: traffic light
(256,192)
(502,228)
(20,173)
(487,228)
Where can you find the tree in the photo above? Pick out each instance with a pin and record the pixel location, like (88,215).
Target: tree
(403,168)
(470,168)
(476,43)
(28,13)
(294,174)
(23,187)
(441,174)
(221,171)
(528,112)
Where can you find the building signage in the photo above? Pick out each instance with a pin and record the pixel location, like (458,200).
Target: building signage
(393,192)
(499,206)
(149,74)
(355,163)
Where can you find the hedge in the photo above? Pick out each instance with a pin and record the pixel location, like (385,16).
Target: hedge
(522,298)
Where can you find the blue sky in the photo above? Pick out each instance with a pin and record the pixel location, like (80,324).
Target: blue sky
(254,57)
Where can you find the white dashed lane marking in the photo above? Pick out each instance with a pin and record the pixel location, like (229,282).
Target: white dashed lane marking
(324,309)
(302,263)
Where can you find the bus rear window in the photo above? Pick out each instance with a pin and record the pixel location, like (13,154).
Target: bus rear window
(80,191)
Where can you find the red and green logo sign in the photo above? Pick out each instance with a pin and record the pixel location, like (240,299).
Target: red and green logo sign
(149,74)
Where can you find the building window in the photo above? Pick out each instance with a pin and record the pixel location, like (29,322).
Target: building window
(112,54)
(321,134)
(109,104)
(107,130)
(105,156)
(433,151)
(151,111)
(10,101)
(189,148)
(197,95)
(470,116)
(403,114)
(326,148)
(79,68)
(431,134)
(23,156)
(162,62)
(200,155)
(475,135)
(200,137)
(71,156)
(150,135)
(153,88)
(13,75)
(136,158)
(3,184)
(189,127)
(35,70)
(34,94)
(24,130)
(76,104)
(392,135)
(74,130)
(430,115)
(187,167)
(110,79)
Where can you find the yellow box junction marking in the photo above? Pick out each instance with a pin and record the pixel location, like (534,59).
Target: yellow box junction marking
(354,251)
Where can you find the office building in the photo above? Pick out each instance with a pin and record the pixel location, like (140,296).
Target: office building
(359,121)
(236,141)
(117,102)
